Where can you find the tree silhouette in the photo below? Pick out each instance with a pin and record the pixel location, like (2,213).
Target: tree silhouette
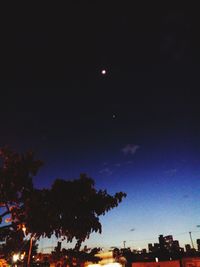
(16,173)
(73,256)
(70,209)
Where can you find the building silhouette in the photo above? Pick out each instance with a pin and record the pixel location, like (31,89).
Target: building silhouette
(198,244)
(187,247)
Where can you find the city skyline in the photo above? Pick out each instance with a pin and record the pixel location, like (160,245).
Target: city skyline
(152,246)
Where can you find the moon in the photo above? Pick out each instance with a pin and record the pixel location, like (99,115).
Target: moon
(103,72)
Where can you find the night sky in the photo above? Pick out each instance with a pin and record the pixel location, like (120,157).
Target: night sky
(134,128)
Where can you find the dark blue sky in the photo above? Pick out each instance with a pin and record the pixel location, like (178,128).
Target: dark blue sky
(135,129)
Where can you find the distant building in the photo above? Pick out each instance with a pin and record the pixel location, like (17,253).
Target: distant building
(198,244)
(161,242)
(157,264)
(156,247)
(168,242)
(187,247)
(176,246)
(185,262)
(150,247)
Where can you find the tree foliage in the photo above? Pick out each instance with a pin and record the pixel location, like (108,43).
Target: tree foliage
(16,174)
(69,209)
(73,257)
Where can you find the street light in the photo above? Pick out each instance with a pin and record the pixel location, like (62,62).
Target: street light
(24,229)
(15,257)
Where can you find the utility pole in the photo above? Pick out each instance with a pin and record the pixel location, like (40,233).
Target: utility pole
(29,252)
(30,246)
(124,242)
(190,233)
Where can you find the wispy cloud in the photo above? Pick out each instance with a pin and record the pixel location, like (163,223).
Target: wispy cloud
(130,149)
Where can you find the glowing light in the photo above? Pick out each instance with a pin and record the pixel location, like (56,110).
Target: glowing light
(24,228)
(103,72)
(7,220)
(23,255)
(15,257)
(113,264)
(94,265)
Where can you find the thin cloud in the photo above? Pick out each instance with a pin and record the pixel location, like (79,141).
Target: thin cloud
(130,149)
